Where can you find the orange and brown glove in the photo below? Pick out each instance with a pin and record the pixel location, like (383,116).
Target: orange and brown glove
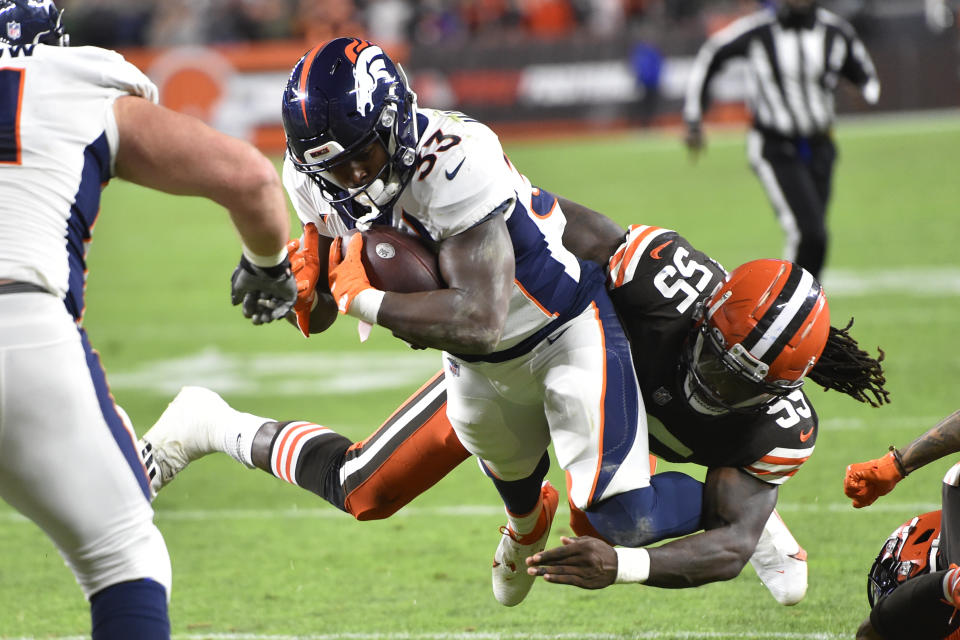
(864,482)
(305,263)
(349,283)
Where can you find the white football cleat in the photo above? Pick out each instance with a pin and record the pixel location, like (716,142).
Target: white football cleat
(781,562)
(190,427)
(511,583)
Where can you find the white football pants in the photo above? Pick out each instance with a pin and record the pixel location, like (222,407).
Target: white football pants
(67,461)
(578,389)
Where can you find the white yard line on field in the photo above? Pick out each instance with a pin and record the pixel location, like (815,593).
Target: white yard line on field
(912,281)
(281,374)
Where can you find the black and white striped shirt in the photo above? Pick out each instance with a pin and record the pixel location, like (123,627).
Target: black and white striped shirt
(793,70)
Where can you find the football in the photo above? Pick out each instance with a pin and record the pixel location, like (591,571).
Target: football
(399,262)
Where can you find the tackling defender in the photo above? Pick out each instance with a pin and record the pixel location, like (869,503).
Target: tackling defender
(70,119)
(914,584)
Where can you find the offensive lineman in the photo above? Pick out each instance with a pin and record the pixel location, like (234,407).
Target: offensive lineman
(70,119)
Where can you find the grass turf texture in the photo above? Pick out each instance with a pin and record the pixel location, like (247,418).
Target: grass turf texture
(254,557)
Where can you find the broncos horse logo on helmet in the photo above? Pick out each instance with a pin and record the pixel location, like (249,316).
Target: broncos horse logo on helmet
(31,22)
(759,334)
(342,97)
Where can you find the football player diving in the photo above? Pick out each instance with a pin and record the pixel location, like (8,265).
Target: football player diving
(731,364)
(914,584)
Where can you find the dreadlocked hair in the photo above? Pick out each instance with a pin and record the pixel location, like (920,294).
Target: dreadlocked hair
(845,367)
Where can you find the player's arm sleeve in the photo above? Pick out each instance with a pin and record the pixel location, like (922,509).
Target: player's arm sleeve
(858,66)
(789,445)
(778,465)
(306,199)
(115,72)
(482,184)
(728,43)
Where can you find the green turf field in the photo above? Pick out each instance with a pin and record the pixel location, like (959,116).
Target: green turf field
(256,558)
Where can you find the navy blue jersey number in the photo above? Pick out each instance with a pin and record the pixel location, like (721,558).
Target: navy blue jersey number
(11,95)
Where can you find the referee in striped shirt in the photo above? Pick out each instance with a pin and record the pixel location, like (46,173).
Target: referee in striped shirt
(795,54)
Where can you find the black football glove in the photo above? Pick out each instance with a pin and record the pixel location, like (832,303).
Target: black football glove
(267,293)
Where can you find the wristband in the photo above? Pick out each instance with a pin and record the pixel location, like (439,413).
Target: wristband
(265,261)
(366,305)
(898,459)
(633,565)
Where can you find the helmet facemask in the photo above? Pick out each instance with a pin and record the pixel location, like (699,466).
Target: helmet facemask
(719,380)
(381,191)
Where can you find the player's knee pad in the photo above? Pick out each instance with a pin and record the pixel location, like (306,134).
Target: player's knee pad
(128,553)
(952,476)
(668,508)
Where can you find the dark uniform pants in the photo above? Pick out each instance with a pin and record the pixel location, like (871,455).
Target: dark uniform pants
(797,173)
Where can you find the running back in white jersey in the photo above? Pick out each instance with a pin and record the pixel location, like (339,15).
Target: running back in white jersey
(461,178)
(58,141)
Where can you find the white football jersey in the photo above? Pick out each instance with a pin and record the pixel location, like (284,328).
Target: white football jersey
(58,141)
(463,176)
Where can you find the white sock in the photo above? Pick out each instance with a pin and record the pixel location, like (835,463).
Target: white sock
(525,524)
(237,436)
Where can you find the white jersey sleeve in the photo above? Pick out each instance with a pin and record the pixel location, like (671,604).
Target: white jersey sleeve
(308,202)
(58,142)
(462,176)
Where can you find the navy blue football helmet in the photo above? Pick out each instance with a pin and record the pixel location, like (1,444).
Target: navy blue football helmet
(31,22)
(342,97)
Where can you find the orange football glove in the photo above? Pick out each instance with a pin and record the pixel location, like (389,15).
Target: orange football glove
(349,283)
(867,481)
(305,263)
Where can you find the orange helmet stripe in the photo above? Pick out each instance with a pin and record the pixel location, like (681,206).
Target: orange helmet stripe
(353,49)
(304,73)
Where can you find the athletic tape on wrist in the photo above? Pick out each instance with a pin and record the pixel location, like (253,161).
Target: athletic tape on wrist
(366,305)
(265,261)
(633,565)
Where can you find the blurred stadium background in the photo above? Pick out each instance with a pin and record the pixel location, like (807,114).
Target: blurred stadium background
(523,66)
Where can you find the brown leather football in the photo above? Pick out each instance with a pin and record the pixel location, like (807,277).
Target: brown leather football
(399,262)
